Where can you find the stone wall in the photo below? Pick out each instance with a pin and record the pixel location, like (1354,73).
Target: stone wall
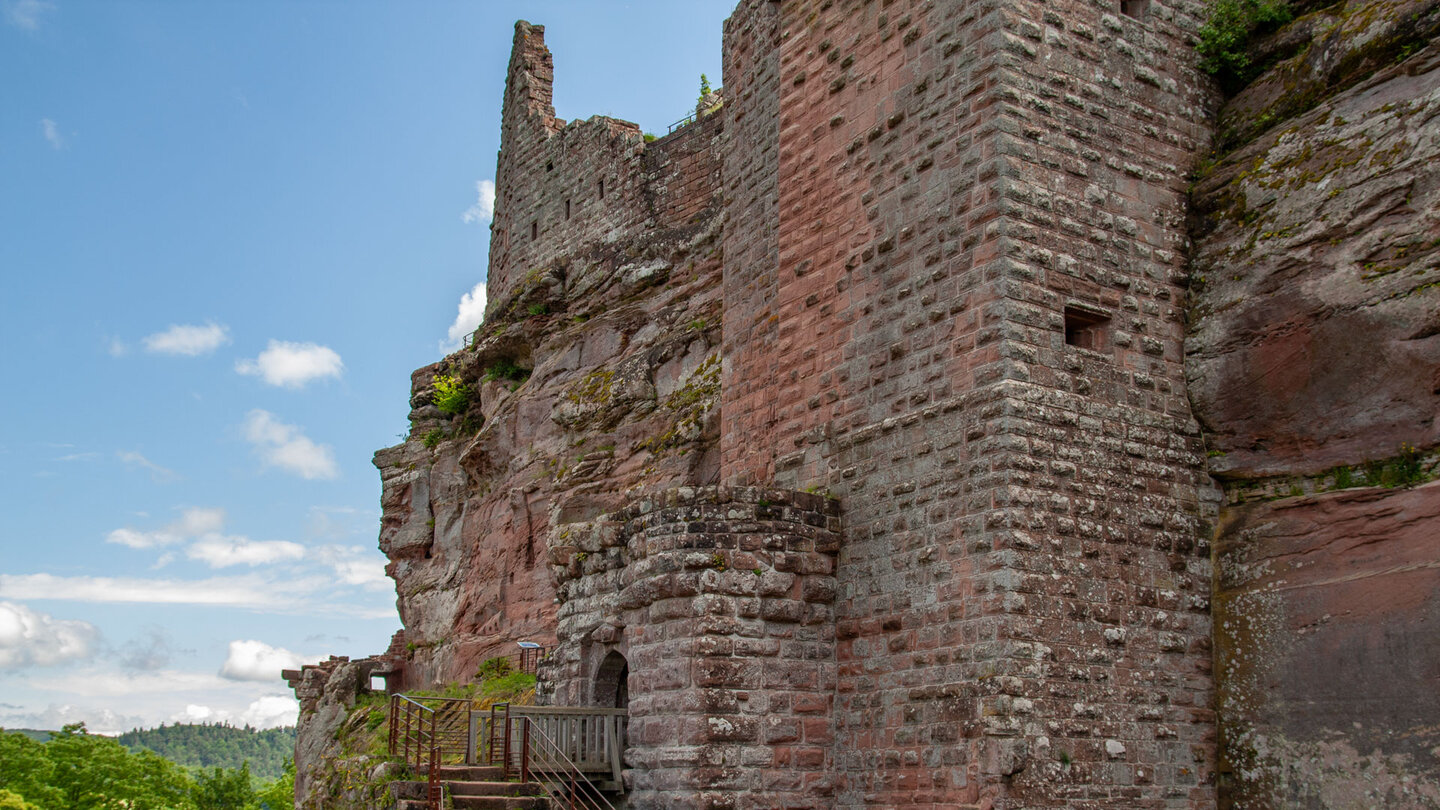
(720,601)
(1023,591)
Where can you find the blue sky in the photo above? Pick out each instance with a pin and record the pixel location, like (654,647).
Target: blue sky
(228,233)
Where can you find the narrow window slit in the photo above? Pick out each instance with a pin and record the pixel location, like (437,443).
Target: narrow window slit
(567,209)
(1086,329)
(534,231)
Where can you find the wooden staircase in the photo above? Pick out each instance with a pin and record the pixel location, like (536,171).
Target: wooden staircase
(473,787)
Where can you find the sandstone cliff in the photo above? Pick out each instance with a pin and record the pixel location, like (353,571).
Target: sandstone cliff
(1313,360)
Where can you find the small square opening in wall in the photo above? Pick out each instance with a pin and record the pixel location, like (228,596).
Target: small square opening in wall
(1134,8)
(1086,329)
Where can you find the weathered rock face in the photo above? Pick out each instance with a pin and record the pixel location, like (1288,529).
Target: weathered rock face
(594,377)
(1313,360)
(1316,336)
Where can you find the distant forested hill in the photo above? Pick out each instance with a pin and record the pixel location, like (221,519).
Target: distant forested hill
(218,746)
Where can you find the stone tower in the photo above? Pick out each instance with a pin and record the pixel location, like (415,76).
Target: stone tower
(952,280)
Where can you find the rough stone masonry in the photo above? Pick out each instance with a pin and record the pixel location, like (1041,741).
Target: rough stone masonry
(845,434)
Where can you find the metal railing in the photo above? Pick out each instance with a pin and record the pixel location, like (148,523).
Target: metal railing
(545,761)
(422,725)
(563,749)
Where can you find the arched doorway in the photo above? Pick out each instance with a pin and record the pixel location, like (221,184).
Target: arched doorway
(612,688)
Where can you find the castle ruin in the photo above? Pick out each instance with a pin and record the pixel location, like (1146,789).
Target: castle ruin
(847,434)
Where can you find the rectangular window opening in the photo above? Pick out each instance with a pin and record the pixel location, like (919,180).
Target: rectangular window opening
(567,209)
(602,188)
(534,231)
(1086,329)
(1134,8)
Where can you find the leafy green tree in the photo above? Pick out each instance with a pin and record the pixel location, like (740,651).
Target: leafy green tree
(220,789)
(26,771)
(98,773)
(280,794)
(9,800)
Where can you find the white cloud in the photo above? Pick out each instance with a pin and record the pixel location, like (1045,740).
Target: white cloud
(471,313)
(219,551)
(268,711)
(355,565)
(116,347)
(284,446)
(97,721)
(292,365)
(51,131)
(257,661)
(483,210)
(157,473)
(311,595)
(28,638)
(25,14)
(271,711)
(193,523)
(187,339)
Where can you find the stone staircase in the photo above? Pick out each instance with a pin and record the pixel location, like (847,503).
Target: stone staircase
(471,787)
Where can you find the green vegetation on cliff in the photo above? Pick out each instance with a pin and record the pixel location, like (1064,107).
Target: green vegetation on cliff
(1225,39)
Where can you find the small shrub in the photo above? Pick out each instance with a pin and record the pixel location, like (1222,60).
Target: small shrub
(649,136)
(539,309)
(1226,36)
(433,438)
(505,369)
(494,668)
(452,395)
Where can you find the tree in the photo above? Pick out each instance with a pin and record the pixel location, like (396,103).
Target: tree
(280,794)
(224,790)
(10,800)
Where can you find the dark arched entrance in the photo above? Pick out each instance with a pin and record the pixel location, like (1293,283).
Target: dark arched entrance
(612,688)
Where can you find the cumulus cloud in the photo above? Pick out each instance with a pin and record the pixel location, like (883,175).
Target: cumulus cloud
(193,523)
(483,210)
(472,312)
(219,551)
(97,721)
(188,340)
(257,661)
(268,711)
(26,14)
(292,365)
(285,446)
(28,638)
(157,473)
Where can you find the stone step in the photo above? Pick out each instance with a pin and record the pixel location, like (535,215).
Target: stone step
(492,788)
(500,803)
(472,773)
(483,803)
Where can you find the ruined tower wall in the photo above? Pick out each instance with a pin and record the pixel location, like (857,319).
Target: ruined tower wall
(1022,612)
(720,601)
(565,188)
